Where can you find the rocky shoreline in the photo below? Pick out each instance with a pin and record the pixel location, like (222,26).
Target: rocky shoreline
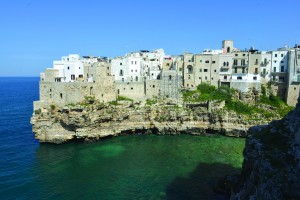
(94,121)
(271,167)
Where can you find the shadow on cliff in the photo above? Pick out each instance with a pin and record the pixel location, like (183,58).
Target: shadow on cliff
(207,181)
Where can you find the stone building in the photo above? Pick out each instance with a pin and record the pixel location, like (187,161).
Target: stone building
(93,80)
(293,86)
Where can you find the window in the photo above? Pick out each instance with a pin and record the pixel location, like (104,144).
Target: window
(132,62)
(200,70)
(224,63)
(205,77)
(256,71)
(189,76)
(215,70)
(50,90)
(201,61)
(235,70)
(227,64)
(135,62)
(274,69)
(244,54)
(213,61)
(121,72)
(72,77)
(132,70)
(236,54)
(281,79)
(282,61)
(254,78)
(275,55)
(122,79)
(282,68)
(61,95)
(78,67)
(207,61)
(170,77)
(243,63)
(200,78)
(281,55)
(235,62)
(225,77)
(264,71)
(243,70)
(135,70)
(212,78)
(190,69)
(180,69)
(205,70)
(131,88)
(68,67)
(153,86)
(256,61)
(80,76)
(239,78)
(120,63)
(136,78)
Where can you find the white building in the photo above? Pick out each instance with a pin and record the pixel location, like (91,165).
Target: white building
(279,65)
(70,68)
(137,66)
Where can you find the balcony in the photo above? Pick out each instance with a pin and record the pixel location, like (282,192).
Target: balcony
(240,65)
(278,73)
(263,64)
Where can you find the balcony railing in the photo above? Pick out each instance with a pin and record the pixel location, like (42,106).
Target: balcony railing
(263,64)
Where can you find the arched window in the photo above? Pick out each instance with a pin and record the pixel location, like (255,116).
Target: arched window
(224,64)
(227,63)
(190,69)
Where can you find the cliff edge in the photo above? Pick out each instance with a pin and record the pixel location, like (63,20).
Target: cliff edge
(93,120)
(271,167)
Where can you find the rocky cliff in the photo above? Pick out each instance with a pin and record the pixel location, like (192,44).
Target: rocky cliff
(271,168)
(93,120)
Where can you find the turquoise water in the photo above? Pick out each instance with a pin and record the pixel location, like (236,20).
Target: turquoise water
(125,167)
(139,167)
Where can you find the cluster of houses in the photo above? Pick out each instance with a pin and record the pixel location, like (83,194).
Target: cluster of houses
(144,74)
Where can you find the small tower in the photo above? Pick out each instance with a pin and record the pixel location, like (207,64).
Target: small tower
(227,46)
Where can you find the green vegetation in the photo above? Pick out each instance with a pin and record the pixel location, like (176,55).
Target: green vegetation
(206,92)
(37,112)
(150,102)
(52,107)
(113,103)
(123,98)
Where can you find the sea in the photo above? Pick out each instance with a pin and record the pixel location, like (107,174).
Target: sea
(124,167)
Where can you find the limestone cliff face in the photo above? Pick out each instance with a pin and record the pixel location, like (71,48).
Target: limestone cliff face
(271,168)
(101,120)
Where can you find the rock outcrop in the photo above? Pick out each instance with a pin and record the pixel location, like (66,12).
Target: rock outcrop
(94,121)
(271,167)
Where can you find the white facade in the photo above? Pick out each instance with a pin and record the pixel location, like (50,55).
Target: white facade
(279,65)
(70,68)
(265,66)
(137,66)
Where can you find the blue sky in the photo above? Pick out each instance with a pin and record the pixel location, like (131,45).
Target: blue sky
(34,32)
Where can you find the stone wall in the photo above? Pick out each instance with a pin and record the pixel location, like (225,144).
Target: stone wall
(134,90)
